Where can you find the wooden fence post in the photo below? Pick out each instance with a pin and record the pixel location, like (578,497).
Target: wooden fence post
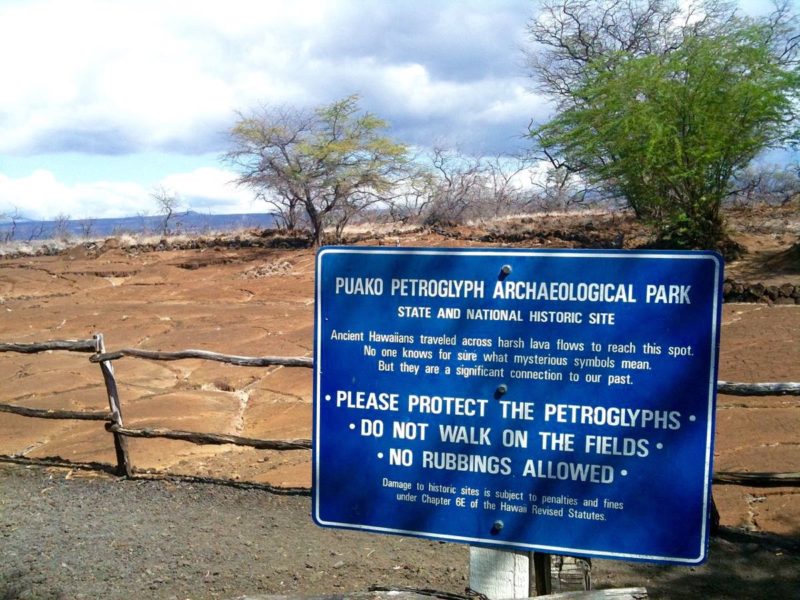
(540,581)
(714,521)
(124,466)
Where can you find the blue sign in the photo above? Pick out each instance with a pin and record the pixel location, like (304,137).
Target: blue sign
(558,401)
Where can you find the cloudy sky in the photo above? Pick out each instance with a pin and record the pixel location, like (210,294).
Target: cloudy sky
(103,101)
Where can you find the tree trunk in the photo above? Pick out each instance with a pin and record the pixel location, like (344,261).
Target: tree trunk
(316,220)
(318,232)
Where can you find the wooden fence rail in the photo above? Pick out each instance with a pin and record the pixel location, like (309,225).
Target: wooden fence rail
(758,389)
(242,361)
(71,345)
(758,479)
(40,413)
(211,438)
(115,424)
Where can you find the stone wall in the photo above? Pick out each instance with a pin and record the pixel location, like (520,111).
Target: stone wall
(734,291)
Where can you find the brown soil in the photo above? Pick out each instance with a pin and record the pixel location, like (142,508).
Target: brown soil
(259,301)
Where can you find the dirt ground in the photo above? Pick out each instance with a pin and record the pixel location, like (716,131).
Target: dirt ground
(259,302)
(67,537)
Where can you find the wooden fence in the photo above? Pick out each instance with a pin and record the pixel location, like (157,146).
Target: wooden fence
(571,573)
(115,423)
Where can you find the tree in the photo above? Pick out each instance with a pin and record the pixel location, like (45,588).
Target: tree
(327,164)
(12,218)
(61,229)
(167,203)
(569,35)
(455,187)
(449,187)
(87,228)
(767,184)
(665,107)
(559,190)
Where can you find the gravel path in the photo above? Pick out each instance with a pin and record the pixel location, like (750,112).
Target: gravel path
(105,538)
(64,535)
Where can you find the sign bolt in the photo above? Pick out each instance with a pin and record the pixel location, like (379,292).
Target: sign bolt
(502,389)
(506,269)
(497,526)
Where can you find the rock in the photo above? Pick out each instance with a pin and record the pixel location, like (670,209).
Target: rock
(757,289)
(772,292)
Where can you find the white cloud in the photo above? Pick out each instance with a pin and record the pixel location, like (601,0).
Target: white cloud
(213,191)
(42,196)
(165,77)
(114,77)
(153,70)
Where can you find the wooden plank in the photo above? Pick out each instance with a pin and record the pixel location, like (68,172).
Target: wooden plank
(404,591)
(124,466)
(570,574)
(499,574)
(210,438)
(635,593)
(373,595)
(780,388)
(758,479)
(33,348)
(243,361)
(41,413)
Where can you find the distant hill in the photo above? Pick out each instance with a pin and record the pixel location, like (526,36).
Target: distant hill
(189,222)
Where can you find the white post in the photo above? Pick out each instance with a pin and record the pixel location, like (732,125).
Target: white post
(500,574)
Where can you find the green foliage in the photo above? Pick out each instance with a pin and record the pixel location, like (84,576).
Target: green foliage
(667,131)
(328,164)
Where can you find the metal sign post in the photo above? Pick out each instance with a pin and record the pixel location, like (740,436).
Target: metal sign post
(551,401)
